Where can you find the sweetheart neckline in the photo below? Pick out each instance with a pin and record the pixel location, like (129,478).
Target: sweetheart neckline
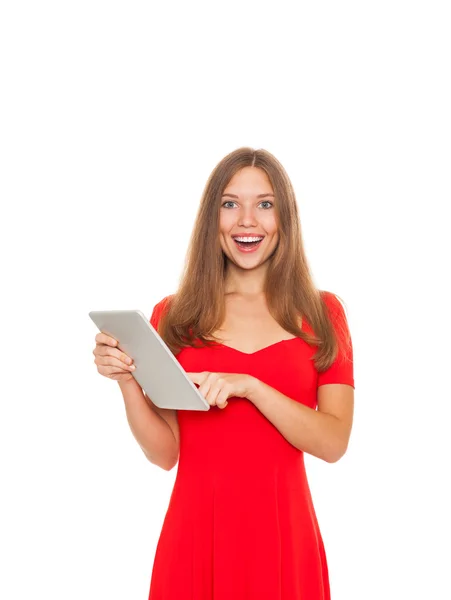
(260,349)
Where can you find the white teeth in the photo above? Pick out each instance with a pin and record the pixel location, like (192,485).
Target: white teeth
(248,239)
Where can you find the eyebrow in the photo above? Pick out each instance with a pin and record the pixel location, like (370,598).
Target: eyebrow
(259,195)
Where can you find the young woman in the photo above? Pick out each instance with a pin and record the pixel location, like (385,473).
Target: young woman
(273,357)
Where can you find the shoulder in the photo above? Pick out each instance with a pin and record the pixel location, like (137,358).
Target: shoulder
(333,304)
(337,315)
(159,308)
(164,302)
(329,298)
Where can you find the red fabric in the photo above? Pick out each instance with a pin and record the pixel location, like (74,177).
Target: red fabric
(240,524)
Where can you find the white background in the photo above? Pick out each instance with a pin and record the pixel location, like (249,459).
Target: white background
(113,115)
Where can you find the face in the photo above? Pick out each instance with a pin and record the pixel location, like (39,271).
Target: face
(247,210)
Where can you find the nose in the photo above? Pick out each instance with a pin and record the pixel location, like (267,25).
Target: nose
(247,217)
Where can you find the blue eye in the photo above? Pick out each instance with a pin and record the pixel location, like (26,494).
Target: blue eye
(264,202)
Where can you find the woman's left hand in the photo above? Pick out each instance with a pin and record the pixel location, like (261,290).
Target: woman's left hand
(217,387)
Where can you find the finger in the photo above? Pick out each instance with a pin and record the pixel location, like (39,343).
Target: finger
(208,379)
(128,360)
(115,373)
(215,390)
(221,400)
(104,350)
(195,377)
(204,390)
(104,338)
(112,361)
(198,377)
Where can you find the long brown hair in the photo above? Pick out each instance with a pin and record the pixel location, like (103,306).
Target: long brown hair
(197,309)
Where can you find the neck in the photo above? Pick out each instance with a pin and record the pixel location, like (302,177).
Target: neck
(245,282)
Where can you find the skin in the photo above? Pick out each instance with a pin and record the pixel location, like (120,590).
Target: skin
(247,205)
(112,362)
(324,432)
(250,214)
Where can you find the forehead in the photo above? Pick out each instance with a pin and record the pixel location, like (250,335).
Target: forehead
(249,180)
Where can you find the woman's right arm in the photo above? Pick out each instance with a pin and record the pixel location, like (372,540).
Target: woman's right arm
(152,432)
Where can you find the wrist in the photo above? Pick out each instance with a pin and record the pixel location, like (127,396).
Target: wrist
(254,387)
(130,384)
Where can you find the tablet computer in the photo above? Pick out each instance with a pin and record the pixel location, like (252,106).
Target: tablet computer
(157,371)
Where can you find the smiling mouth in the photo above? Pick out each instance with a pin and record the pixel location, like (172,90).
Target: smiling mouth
(248,245)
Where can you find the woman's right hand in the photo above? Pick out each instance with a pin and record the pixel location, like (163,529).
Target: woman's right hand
(112,362)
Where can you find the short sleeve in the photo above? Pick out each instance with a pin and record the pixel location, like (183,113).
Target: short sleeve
(157,311)
(342,369)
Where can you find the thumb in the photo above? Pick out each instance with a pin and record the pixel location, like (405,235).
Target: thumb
(194,377)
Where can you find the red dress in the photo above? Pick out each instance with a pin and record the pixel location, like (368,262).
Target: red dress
(240,524)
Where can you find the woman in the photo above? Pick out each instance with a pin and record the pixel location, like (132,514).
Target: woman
(273,357)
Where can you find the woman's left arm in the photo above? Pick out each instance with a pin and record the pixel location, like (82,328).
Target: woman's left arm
(324,433)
